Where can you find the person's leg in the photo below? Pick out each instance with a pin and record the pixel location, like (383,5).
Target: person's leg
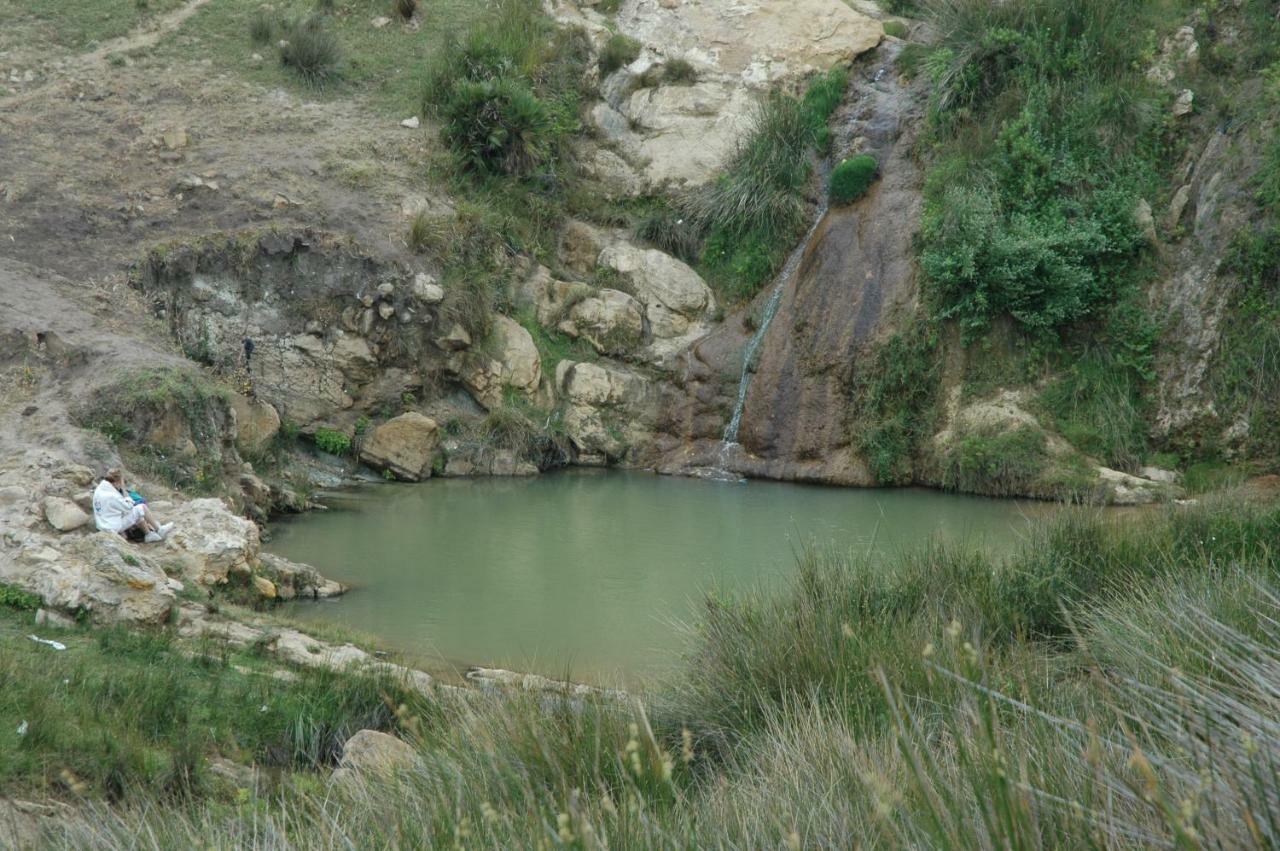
(142,518)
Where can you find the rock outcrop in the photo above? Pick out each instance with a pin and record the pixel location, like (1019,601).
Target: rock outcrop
(510,361)
(608,410)
(371,755)
(681,131)
(211,543)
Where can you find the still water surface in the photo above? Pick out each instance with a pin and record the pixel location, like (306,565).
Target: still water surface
(585,572)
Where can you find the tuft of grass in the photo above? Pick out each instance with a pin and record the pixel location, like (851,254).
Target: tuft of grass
(618,52)
(995,462)
(262,27)
(851,179)
(897,29)
(311,50)
(419,237)
(679,72)
(499,126)
(406,8)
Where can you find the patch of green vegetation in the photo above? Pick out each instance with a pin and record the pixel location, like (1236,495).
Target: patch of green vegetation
(554,346)
(129,716)
(75,24)
(897,29)
(262,28)
(851,179)
(619,51)
(16,598)
(995,461)
(679,72)
(332,441)
(895,403)
(310,50)
(500,126)
(750,216)
(1046,137)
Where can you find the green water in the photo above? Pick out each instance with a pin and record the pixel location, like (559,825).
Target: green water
(586,573)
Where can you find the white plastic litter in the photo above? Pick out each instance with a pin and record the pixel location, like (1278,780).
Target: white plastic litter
(22,728)
(56,645)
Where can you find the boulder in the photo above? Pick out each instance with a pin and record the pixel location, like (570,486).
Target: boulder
(101,574)
(265,587)
(426,290)
(211,542)
(611,321)
(606,409)
(405,445)
(454,338)
(673,295)
(370,754)
(510,362)
(63,514)
(257,423)
(1125,489)
(581,244)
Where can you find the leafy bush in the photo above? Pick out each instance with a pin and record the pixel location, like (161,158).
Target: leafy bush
(618,51)
(16,598)
(1048,134)
(332,441)
(851,179)
(499,126)
(311,51)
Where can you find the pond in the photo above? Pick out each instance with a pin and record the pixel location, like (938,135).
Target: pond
(586,573)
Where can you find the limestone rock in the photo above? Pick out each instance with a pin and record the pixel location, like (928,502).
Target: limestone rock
(54,620)
(581,244)
(1177,206)
(370,754)
(426,290)
(1184,104)
(265,587)
(514,363)
(1146,221)
(673,295)
(454,339)
(293,579)
(611,321)
(212,542)
(257,423)
(405,445)
(606,408)
(1125,489)
(63,514)
(101,574)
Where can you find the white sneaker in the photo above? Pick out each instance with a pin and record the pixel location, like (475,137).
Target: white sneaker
(165,529)
(153,538)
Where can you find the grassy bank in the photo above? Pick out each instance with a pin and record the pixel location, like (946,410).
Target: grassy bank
(1106,686)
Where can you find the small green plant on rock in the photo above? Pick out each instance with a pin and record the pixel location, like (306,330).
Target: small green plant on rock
(618,52)
(897,29)
(332,441)
(852,178)
(16,598)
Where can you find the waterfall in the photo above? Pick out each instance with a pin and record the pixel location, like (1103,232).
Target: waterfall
(751,352)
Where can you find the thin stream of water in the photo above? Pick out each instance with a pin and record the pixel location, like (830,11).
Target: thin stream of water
(750,353)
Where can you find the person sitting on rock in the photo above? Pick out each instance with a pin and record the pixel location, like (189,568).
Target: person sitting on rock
(115,511)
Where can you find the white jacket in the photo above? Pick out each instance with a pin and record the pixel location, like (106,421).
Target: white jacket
(112,511)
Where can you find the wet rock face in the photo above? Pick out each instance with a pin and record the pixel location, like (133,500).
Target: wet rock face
(855,275)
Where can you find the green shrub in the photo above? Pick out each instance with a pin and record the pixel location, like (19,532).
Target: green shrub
(897,29)
(499,126)
(851,179)
(332,441)
(995,462)
(16,598)
(311,51)
(618,52)
(895,403)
